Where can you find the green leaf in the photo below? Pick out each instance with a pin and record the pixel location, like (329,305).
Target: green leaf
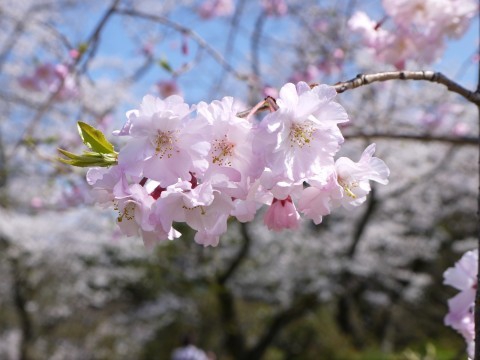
(88,159)
(95,139)
(164,64)
(82,48)
(80,163)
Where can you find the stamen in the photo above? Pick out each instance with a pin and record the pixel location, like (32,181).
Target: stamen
(128,212)
(301,134)
(202,209)
(222,151)
(165,143)
(347,187)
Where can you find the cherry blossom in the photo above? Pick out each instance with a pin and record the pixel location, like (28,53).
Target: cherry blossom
(354,177)
(212,8)
(51,78)
(202,164)
(414,29)
(281,215)
(167,88)
(316,200)
(275,7)
(302,135)
(165,145)
(444,17)
(463,277)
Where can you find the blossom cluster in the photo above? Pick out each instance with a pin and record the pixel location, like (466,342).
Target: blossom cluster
(419,29)
(217,8)
(203,164)
(463,277)
(54,79)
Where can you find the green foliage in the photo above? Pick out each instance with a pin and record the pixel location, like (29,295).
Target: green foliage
(103,153)
(94,139)
(164,64)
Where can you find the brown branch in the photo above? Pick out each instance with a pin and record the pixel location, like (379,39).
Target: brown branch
(425,138)
(366,79)
(362,224)
(20,302)
(234,338)
(94,38)
(298,308)
(476,313)
(432,76)
(241,255)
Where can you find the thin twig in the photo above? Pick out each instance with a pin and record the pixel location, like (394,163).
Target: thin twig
(426,75)
(477,292)
(424,138)
(422,75)
(30,129)
(188,32)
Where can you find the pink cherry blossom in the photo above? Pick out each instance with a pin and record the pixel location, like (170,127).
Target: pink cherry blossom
(51,78)
(310,73)
(463,276)
(200,207)
(131,200)
(281,215)
(213,8)
(316,200)
(166,144)
(230,139)
(302,136)
(203,164)
(354,177)
(447,17)
(167,88)
(275,7)
(415,29)
(270,91)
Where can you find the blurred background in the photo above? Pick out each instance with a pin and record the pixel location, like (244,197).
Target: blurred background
(365,284)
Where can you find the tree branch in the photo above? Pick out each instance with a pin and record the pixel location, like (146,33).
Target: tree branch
(477,292)
(301,305)
(247,240)
(362,223)
(43,108)
(421,75)
(188,32)
(426,75)
(466,140)
(234,338)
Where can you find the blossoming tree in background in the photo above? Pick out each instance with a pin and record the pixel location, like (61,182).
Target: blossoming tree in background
(189,162)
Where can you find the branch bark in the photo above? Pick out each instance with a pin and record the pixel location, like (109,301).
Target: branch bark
(242,254)
(302,305)
(420,75)
(424,75)
(234,338)
(477,292)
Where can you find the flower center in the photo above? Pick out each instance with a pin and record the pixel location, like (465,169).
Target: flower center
(202,209)
(165,143)
(348,187)
(127,213)
(222,151)
(301,134)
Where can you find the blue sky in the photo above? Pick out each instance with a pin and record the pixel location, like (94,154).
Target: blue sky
(456,63)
